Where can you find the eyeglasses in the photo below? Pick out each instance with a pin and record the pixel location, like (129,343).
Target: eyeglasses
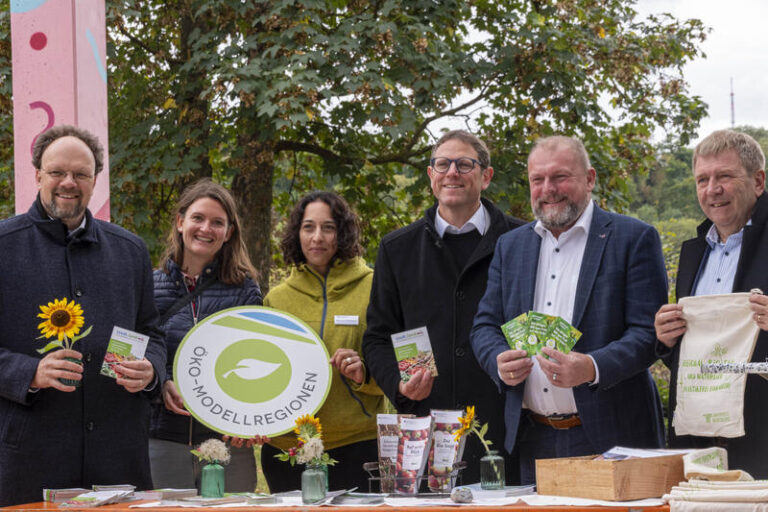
(464,165)
(77,176)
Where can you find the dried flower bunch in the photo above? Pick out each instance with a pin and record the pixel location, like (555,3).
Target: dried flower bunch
(309,449)
(213,451)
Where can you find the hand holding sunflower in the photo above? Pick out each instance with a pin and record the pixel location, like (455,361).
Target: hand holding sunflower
(62,369)
(59,370)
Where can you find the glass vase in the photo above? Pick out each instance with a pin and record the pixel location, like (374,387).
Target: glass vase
(324,469)
(313,484)
(212,481)
(492,471)
(72,382)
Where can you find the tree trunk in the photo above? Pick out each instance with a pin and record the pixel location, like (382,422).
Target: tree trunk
(252,187)
(190,99)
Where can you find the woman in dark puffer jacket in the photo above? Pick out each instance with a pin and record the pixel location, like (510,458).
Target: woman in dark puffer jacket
(205,251)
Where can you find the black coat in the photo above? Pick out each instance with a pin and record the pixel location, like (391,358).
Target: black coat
(417,283)
(169,288)
(748,452)
(98,433)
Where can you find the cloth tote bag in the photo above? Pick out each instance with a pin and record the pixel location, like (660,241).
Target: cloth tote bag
(720,329)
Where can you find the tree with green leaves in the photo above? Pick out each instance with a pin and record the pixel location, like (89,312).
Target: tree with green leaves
(275,97)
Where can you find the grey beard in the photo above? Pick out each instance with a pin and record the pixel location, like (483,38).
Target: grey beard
(563,218)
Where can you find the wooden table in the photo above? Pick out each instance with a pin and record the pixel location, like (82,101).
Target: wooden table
(124,507)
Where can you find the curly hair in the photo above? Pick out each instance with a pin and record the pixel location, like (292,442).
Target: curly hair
(347,228)
(64,130)
(234,263)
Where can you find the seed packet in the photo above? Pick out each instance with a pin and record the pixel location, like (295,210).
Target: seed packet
(388,437)
(562,336)
(124,345)
(445,450)
(413,352)
(412,453)
(538,325)
(516,332)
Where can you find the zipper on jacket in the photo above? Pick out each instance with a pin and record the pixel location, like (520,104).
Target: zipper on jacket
(323,285)
(194,309)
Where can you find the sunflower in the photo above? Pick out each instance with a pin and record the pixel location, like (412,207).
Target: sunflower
(466,422)
(307,427)
(61,319)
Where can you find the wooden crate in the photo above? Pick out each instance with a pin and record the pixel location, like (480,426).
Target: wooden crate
(614,480)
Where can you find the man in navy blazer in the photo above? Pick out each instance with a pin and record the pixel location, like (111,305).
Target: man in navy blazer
(602,272)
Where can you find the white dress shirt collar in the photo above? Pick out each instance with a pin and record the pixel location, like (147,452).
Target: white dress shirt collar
(713,237)
(479,221)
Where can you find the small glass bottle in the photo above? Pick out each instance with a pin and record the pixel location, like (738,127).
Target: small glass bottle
(313,486)
(212,481)
(492,471)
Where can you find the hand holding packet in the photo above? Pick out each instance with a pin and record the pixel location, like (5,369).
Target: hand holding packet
(533,331)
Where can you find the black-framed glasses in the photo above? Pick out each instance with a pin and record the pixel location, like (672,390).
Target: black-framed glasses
(464,164)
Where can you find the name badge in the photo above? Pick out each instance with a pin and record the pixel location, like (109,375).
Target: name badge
(346,319)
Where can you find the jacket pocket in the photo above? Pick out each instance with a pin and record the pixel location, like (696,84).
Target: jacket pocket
(14,422)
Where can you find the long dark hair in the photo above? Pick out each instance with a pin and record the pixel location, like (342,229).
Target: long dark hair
(234,263)
(347,228)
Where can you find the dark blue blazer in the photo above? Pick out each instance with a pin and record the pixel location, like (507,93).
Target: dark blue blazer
(622,283)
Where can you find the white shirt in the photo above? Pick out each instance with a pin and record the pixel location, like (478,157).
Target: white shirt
(480,221)
(720,270)
(556,280)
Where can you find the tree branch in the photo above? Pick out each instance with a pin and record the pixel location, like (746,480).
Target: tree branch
(403,156)
(141,44)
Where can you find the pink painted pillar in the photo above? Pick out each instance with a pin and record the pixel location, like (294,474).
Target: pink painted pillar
(59,77)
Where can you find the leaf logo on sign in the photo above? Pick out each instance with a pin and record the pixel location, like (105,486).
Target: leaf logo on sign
(252,369)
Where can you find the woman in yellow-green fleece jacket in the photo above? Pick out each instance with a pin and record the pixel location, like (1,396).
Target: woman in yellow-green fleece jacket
(328,288)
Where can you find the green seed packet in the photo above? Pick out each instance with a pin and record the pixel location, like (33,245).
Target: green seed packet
(538,326)
(562,336)
(516,331)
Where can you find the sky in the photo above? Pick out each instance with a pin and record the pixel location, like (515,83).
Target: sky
(735,48)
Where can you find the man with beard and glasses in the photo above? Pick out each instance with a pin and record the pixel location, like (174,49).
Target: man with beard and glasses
(602,272)
(83,277)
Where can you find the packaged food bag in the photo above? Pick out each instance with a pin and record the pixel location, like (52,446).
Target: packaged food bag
(412,451)
(388,438)
(445,450)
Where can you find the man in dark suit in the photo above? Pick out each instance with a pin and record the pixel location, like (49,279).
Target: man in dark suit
(432,274)
(730,254)
(54,434)
(602,272)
